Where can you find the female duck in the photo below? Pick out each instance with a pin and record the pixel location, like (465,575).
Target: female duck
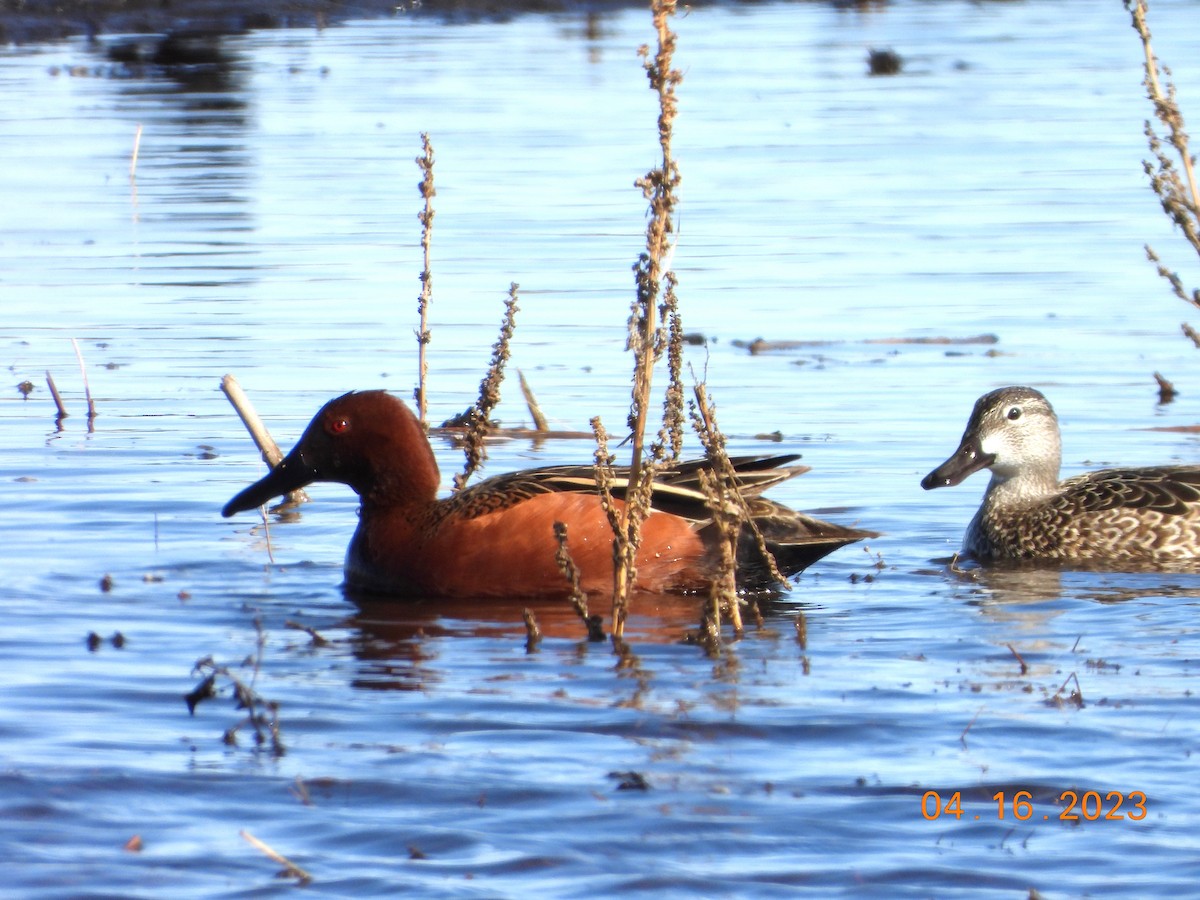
(1145,517)
(496,538)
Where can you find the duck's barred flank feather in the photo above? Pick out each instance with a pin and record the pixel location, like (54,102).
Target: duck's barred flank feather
(1136,517)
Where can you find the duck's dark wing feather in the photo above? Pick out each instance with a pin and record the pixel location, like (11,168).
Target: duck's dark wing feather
(1170,490)
(676,489)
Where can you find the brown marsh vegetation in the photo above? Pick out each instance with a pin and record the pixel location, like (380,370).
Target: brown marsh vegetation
(1172,169)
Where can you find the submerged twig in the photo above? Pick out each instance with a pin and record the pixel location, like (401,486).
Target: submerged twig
(1166,390)
(290,869)
(962,737)
(425,162)
(133,159)
(261,715)
(535,411)
(1075,697)
(533,634)
(87,391)
(262,511)
(318,640)
(58,401)
(1020,659)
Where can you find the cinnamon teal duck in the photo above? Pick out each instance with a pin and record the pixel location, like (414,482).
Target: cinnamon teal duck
(496,538)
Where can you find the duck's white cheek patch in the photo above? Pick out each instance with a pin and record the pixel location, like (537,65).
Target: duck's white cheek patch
(991,444)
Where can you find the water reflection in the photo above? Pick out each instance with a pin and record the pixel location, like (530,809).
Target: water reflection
(913,685)
(1002,589)
(395,638)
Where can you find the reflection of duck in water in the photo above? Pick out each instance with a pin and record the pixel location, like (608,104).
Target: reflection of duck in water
(175,48)
(1113,518)
(496,538)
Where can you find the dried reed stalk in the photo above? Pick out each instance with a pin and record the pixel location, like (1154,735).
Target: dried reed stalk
(647,339)
(535,411)
(271,454)
(425,163)
(728,509)
(732,517)
(290,869)
(533,634)
(704,421)
(87,391)
(133,159)
(480,418)
(58,401)
(1179,195)
(577,597)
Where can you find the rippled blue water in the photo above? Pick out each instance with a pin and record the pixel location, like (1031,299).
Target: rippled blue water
(994,187)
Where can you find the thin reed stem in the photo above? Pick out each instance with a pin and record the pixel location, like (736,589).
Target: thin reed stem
(531,403)
(87,391)
(133,159)
(290,869)
(58,401)
(271,454)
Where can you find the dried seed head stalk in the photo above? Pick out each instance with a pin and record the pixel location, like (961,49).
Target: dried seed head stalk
(705,423)
(489,394)
(626,525)
(647,339)
(578,598)
(425,162)
(570,571)
(730,510)
(670,436)
(1179,195)
(727,520)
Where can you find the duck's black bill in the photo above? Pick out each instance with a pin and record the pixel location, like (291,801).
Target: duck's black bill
(291,474)
(967,460)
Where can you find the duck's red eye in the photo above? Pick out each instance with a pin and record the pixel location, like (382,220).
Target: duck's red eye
(337,426)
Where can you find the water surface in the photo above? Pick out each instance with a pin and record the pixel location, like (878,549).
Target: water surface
(994,187)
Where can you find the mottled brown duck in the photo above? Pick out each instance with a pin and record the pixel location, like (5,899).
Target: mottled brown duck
(1131,518)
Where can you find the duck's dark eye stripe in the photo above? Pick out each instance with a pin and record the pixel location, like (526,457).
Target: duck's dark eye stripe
(1014,413)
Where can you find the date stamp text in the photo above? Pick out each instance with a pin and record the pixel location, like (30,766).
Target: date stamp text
(1073,806)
